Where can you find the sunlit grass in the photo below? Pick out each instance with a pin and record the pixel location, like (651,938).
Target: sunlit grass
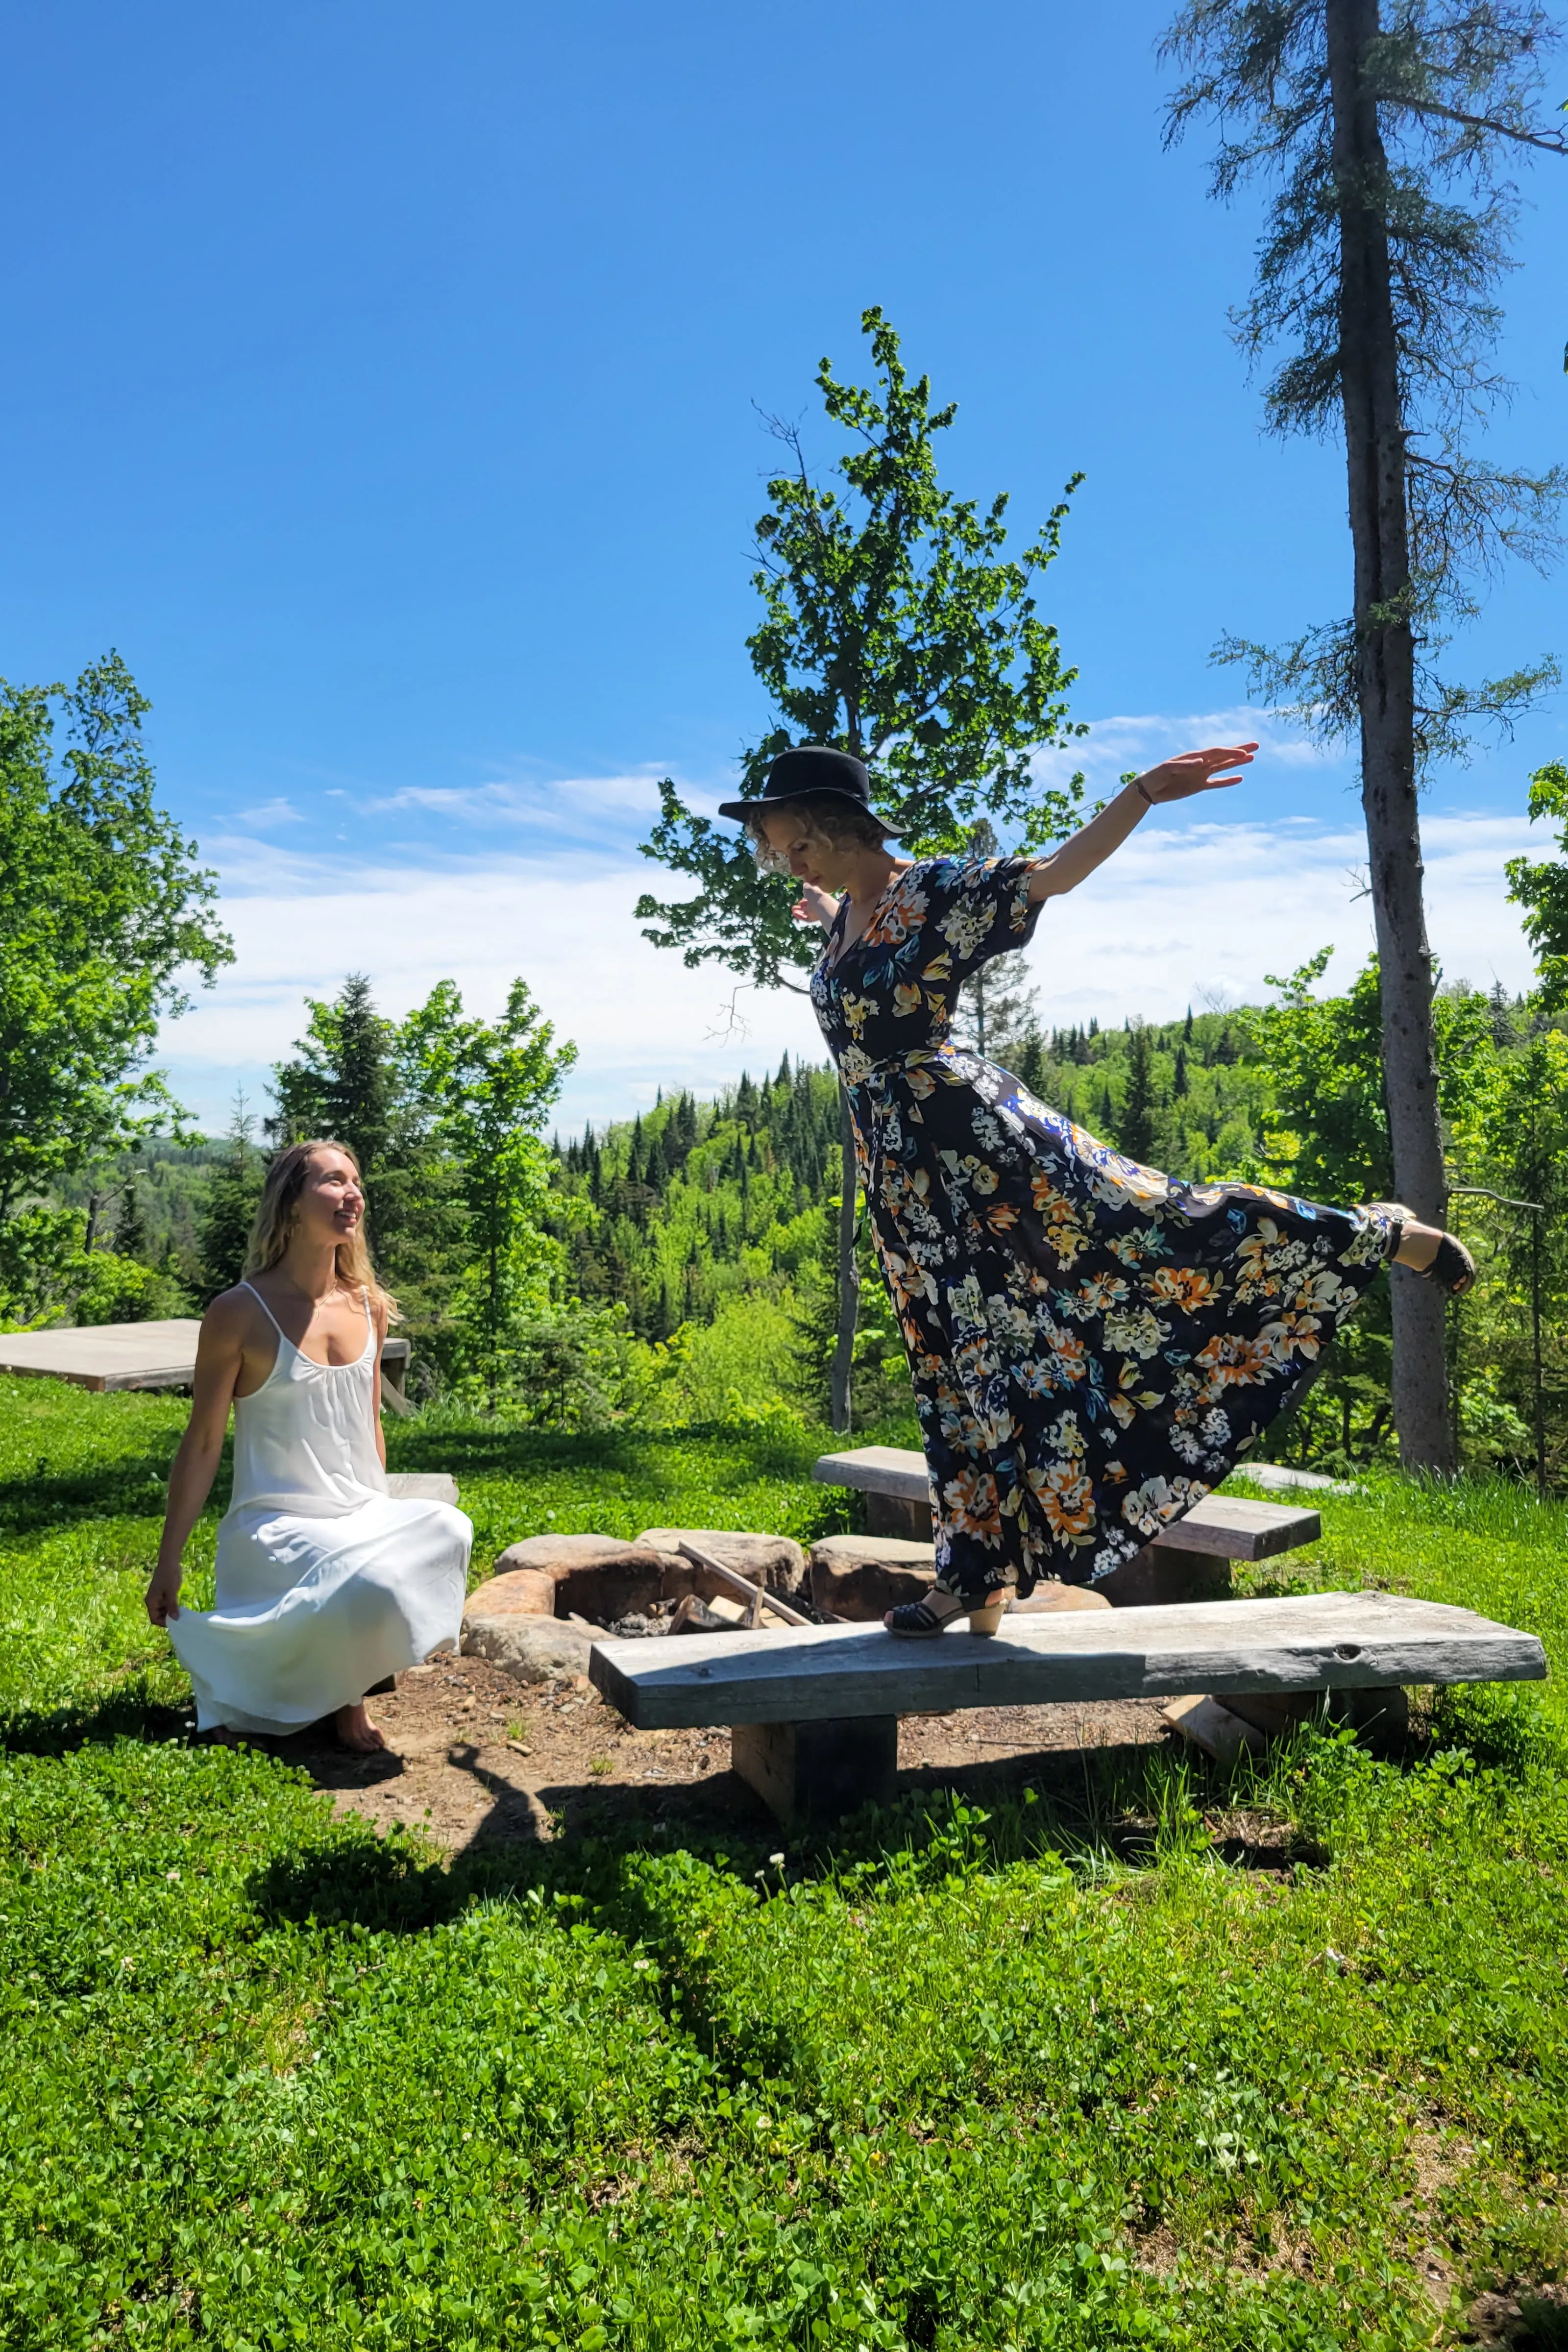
(1265,2062)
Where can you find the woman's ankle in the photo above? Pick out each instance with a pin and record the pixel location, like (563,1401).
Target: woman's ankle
(1418,1245)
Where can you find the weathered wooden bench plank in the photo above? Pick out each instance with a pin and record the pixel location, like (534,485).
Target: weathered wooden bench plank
(1226,1526)
(1317,1640)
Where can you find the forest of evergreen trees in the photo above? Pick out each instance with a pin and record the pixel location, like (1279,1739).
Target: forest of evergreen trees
(682,1263)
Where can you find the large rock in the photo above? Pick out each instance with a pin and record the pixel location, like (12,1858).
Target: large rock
(773,1560)
(858,1578)
(534,1649)
(521,1592)
(598,1576)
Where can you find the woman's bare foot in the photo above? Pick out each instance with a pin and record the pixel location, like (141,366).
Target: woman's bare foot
(355,1729)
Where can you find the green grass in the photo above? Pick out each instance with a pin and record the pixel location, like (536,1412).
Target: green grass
(1057,2074)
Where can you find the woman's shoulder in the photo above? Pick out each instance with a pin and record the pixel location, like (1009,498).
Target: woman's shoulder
(236,1304)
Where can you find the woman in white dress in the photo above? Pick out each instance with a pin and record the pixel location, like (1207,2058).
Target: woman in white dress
(326,1583)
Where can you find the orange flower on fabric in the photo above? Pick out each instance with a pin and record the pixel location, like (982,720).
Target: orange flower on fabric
(1186,1287)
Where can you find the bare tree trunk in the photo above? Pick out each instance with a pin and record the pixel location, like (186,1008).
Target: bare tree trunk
(841,1402)
(1386,688)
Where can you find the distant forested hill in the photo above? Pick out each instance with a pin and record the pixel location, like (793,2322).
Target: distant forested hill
(694,1203)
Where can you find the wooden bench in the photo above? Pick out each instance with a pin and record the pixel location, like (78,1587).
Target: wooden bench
(814,1713)
(423,1486)
(1191,1561)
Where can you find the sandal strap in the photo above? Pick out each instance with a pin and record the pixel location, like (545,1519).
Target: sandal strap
(919,1617)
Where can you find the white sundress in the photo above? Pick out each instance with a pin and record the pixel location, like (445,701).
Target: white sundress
(326,1583)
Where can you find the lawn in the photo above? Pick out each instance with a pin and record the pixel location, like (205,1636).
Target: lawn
(1074,2073)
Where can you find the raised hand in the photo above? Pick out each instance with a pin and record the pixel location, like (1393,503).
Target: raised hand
(815,905)
(1194,771)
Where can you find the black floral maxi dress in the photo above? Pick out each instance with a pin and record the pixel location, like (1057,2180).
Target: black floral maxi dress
(1092,1344)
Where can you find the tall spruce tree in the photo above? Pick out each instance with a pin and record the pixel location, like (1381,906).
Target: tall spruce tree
(895,626)
(1135,1131)
(234,1189)
(1390,131)
(343,1082)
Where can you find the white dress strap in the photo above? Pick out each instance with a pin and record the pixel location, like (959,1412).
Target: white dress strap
(267,1310)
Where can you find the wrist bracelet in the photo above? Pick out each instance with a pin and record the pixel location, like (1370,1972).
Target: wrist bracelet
(1148,797)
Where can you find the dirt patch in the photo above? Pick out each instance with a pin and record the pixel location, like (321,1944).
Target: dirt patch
(476,1758)
(1530,2319)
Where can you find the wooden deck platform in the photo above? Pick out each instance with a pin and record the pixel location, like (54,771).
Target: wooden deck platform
(108,1356)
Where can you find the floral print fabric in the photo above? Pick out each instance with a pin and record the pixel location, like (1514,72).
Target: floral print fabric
(1092,1344)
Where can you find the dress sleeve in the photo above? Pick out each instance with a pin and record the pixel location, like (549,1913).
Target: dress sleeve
(981,908)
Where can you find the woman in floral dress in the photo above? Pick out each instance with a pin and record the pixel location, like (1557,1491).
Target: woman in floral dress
(1093,1345)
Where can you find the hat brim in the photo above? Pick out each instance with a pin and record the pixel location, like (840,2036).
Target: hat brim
(740,810)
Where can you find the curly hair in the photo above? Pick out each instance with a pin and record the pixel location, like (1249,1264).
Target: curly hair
(822,817)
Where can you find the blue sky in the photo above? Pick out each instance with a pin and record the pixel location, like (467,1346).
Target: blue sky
(384,383)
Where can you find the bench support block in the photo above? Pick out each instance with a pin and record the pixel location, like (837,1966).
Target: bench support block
(818,1770)
(893,1514)
(1161,1575)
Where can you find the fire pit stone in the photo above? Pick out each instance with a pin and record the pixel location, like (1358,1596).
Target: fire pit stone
(775,1561)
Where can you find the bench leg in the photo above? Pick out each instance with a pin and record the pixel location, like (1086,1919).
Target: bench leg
(889,1514)
(1161,1574)
(1383,1710)
(818,1770)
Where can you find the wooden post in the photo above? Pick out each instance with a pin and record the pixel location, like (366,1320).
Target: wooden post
(1162,1573)
(818,1770)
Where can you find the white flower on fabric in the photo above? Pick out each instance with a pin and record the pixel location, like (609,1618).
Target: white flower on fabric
(1216,1428)
(966,1302)
(966,926)
(1122,1184)
(1137,1332)
(1157,1501)
(1009,1322)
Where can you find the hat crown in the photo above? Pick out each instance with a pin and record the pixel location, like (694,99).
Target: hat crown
(817,768)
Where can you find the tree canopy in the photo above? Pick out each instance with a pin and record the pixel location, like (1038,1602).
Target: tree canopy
(104,913)
(895,625)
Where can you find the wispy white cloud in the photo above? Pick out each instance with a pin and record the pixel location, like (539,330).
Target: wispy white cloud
(560,805)
(270,813)
(1187,910)
(1137,741)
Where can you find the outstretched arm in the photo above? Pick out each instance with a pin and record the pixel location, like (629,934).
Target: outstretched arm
(1173,780)
(218,1356)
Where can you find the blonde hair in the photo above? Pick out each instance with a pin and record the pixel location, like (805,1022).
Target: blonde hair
(275,1218)
(824,817)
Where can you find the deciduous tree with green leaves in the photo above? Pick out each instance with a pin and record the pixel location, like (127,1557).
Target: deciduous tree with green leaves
(104,914)
(1390,131)
(488,1087)
(1540,885)
(895,625)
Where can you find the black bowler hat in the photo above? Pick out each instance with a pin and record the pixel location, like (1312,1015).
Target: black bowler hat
(812,769)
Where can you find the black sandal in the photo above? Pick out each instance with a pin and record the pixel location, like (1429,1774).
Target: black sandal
(1453,1269)
(919,1621)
